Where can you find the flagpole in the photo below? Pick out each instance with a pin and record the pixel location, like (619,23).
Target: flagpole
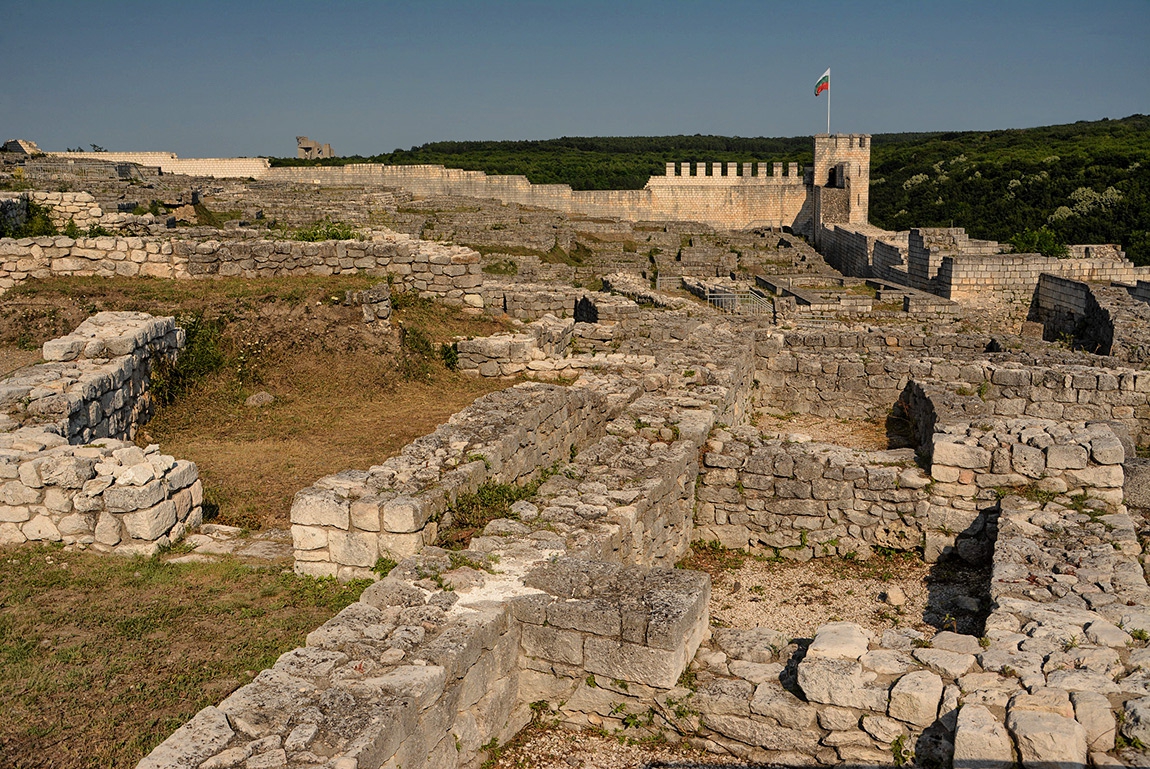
(828,105)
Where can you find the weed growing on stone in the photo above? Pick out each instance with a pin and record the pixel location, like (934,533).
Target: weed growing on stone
(325,229)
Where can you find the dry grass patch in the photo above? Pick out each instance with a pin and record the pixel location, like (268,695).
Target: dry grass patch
(348,395)
(102,657)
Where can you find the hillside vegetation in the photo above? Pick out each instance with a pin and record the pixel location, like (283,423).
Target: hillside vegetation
(1086,182)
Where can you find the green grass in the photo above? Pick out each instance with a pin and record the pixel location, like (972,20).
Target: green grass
(102,657)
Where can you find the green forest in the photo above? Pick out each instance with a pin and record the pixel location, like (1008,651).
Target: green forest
(1085,182)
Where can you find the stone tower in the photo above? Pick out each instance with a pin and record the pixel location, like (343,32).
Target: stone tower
(842,178)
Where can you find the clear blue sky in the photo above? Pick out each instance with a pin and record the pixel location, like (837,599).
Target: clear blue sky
(212,78)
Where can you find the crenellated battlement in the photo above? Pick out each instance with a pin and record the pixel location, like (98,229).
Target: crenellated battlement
(700,172)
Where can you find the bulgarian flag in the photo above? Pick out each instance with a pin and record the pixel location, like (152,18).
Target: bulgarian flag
(824,83)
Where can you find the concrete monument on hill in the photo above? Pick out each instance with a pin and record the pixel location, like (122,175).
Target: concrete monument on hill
(306,149)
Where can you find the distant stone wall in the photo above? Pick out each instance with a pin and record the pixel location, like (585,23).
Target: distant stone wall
(737,202)
(169,163)
(68,469)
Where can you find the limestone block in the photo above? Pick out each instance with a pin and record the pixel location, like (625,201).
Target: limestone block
(400,545)
(366,513)
(1092,710)
(75,525)
(773,701)
(631,662)
(950,664)
(320,507)
(1047,740)
(839,640)
(915,698)
(592,616)
(1136,720)
(405,514)
(553,644)
(10,534)
(15,514)
(123,499)
(308,537)
(981,741)
(353,548)
(1066,457)
(959,454)
(16,493)
(41,528)
(1105,476)
(1107,450)
(200,738)
(420,684)
(151,523)
(182,475)
(761,734)
(841,682)
(108,530)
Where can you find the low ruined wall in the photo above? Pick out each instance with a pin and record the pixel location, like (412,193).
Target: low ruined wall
(807,500)
(68,471)
(108,494)
(79,207)
(94,383)
(1099,318)
(343,523)
(451,273)
(965,277)
(509,354)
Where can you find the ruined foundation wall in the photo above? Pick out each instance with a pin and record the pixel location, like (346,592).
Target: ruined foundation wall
(451,273)
(1014,277)
(1102,319)
(68,469)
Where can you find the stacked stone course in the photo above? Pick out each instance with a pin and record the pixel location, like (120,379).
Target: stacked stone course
(450,273)
(68,469)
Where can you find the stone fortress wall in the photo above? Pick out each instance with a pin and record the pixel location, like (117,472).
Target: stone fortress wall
(732,196)
(169,163)
(568,608)
(68,468)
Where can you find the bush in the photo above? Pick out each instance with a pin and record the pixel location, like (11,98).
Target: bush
(1041,241)
(202,355)
(326,229)
(37,224)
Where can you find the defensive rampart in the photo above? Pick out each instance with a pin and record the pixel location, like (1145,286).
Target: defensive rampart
(170,163)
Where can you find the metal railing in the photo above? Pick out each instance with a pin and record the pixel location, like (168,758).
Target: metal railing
(745,302)
(665,282)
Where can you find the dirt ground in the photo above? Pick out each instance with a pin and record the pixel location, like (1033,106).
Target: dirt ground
(13,357)
(346,394)
(851,433)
